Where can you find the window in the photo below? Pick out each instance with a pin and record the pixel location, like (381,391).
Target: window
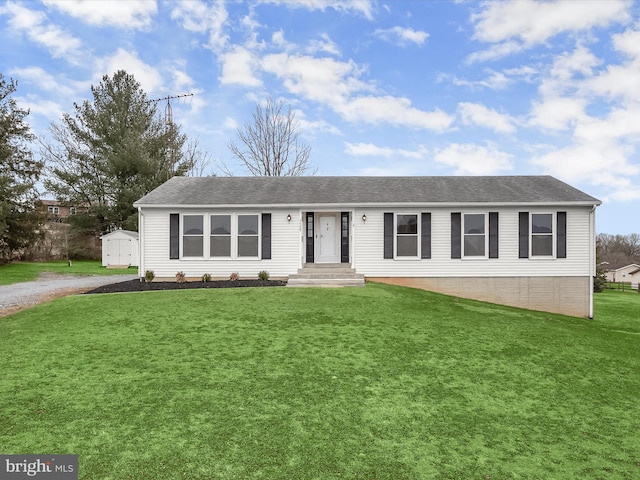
(474,235)
(247,235)
(406,235)
(192,235)
(72,210)
(541,234)
(54,210)
(220,240)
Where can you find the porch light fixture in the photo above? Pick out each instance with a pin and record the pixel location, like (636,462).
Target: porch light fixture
(364,217)
(288,217)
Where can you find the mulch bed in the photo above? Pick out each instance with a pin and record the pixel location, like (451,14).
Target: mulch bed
(138,286)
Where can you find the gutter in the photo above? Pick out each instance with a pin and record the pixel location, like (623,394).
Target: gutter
(592,256)
(368,205)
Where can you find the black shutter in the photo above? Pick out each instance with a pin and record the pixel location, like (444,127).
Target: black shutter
(561,235)
(266,236)
(493,234)
(388,235)
(344,237)
(523,235)
(456,235)
(309,237)
(425,234)
(174,236)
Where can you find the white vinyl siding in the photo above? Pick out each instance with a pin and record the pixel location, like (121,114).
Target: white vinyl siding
(285,246)
(368,247)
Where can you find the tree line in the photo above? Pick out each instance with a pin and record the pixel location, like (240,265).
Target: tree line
(615,251)
(110,151)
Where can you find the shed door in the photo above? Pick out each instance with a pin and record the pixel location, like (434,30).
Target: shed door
(119,252)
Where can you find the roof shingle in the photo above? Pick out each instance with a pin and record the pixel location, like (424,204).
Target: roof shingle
(202,191)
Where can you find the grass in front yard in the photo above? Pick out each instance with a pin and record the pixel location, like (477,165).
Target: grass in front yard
(379,382)
(29,271)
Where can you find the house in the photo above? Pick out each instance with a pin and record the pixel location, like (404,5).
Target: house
(55,211)
(627,274)
(120,248)
(526,241)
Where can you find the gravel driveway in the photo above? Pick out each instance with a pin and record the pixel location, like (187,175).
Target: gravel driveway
(49,286)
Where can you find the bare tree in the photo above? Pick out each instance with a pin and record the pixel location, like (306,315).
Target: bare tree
(200,161)
(271,144)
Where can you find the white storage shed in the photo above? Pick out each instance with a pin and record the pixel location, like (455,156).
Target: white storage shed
(120,248)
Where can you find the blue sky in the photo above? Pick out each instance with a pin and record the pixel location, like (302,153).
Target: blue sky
(379,87)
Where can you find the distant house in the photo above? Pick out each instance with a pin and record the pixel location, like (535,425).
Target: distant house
(526,241)
(56,211)
(627,274)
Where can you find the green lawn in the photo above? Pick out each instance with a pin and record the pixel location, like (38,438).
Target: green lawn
(28,271)
(379,382)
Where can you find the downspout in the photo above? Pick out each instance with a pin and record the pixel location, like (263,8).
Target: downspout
(140,244)
(592,256)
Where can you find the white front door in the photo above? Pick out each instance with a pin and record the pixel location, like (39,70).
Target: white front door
(327,239)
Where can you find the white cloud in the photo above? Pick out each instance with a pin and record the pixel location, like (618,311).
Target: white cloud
(621,81)
(620,124)
(598,163)
(39,30)
(181,81)
(472,159)
(495,80)
(336,84)
(519,24)
(230,124)
(239,68)
(363,7)
(323,45)
(323,80)
(557,113)
(536,21)
(371,150)
(568,72)
(47,82)
(311,128)
(38,106)
(129,14)
(395,111)
(402,36)
(148,77)
(197,16)
(482,116)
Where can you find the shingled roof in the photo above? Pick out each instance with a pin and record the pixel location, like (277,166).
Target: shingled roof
(259,191)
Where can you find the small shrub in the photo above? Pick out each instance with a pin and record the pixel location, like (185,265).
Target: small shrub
(180,277)
(206,278)
(263,275)
(149,276)
(234,277)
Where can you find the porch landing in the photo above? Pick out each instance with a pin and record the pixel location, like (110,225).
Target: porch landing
(326,275)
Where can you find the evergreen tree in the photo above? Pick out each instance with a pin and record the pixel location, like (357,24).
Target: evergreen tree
(19,172)
(113,150)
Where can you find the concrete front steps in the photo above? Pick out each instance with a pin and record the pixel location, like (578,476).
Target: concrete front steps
(326,275)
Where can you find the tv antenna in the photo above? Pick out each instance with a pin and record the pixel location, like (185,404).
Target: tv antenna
(168,121)
(168,114)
